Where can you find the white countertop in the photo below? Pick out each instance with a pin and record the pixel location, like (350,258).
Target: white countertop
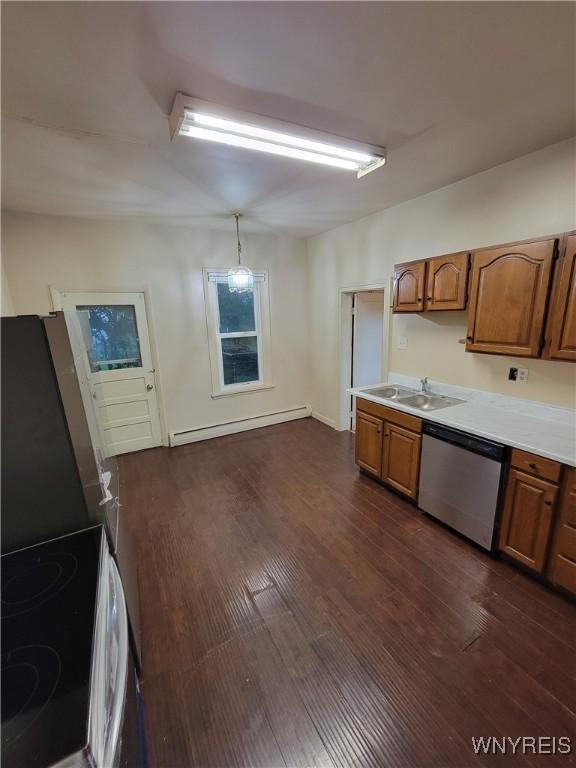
(554,438)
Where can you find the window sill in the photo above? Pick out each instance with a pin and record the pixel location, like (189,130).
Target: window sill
(242,390)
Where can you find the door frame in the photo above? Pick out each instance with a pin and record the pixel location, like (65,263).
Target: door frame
(56,296)
(345,302)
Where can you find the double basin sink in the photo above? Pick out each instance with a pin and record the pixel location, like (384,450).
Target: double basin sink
(420,400)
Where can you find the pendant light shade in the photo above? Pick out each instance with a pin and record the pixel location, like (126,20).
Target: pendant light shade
(240,279)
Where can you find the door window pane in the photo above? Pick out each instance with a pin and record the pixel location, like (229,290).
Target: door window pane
(114,337)
(236,310)
(240,359)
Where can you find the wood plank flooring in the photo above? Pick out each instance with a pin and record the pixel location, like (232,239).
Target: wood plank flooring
(296,613)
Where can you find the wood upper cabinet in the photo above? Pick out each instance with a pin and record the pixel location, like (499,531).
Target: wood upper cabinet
(508,293)
(561,331)
(527,518)
(446,282)
(369,442)
(409,287)
(562,563)
(401,459)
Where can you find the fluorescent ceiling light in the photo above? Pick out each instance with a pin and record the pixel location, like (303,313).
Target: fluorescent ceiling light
(202,120)
(266,146)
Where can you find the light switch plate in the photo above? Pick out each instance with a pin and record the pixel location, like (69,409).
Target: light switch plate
(402,343)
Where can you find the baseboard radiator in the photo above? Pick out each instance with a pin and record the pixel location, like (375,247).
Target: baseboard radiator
(238,425)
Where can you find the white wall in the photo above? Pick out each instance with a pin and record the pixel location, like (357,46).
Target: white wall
(39,251)
(528,197)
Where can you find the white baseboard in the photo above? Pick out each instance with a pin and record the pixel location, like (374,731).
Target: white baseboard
(238,425)
(324,419)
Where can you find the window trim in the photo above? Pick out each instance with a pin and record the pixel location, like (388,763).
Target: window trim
(262,333)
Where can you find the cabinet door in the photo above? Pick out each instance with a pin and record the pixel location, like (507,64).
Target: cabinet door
(409,284)
(561,341)
(401,460)
(562,565)
(446,282)
(508,293)
(527,518)
(369,442)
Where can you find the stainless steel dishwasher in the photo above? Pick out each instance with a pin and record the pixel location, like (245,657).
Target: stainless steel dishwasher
(460,481)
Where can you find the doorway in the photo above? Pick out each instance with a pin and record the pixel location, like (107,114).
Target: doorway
(367,337)
(119,367)
(364,328)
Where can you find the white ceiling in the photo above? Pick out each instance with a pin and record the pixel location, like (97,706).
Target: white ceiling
(450,88)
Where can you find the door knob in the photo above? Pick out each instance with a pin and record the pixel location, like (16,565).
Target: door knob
(149,387)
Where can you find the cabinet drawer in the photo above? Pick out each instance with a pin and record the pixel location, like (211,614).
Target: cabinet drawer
(536,465)
(390,414)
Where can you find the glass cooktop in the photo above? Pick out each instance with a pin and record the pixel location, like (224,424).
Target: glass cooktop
(48,602)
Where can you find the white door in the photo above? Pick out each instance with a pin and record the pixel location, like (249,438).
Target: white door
(121,371)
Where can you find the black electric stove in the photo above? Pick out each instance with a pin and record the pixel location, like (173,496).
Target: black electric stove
(48,603)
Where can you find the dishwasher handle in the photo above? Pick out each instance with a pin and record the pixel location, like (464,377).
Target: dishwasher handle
(464,440)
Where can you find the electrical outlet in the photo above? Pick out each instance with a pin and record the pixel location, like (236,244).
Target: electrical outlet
(519,375)
(402,343)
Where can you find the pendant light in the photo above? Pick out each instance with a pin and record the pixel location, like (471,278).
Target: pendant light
(240,279)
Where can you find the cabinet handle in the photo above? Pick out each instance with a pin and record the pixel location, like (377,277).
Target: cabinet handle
(548,503)
(532,465)
(379,428)
(428,298)
(469,338)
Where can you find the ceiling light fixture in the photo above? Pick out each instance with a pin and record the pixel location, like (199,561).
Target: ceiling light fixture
(240,279)
(210,122)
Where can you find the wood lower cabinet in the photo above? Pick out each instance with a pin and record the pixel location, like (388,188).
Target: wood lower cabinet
(562,563)
(561,331)
(446,282)
(409,287)
(388,445)
(369,431)
(401,459)
(527,518)
(508,295)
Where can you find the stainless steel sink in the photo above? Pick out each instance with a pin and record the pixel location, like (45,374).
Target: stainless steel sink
(390,392)
(426,402)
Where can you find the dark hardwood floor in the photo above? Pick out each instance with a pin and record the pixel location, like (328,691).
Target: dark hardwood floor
(296,613)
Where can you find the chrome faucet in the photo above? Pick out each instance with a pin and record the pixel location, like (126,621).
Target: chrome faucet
(425,386)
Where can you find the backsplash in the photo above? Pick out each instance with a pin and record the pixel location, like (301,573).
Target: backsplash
(434,349)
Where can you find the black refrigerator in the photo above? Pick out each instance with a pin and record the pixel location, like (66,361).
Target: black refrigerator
(56,478)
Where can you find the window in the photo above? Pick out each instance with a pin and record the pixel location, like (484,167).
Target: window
(114,337)
(239,332)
